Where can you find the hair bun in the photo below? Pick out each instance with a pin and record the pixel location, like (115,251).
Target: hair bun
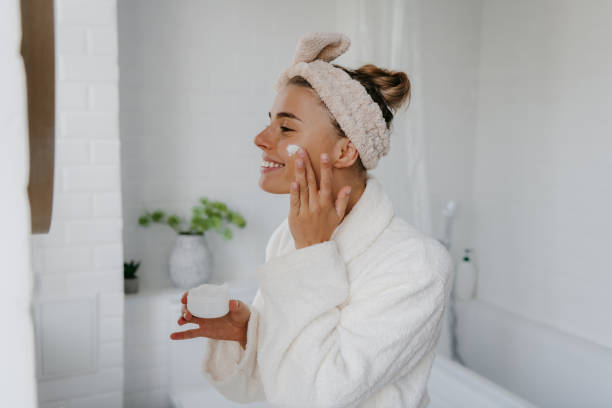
(394,86)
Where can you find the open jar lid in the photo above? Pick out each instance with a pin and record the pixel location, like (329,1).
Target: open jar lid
(209,300)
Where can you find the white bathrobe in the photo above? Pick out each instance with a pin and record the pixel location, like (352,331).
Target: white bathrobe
(349,322)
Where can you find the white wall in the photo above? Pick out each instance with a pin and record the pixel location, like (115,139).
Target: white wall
(196,86)
(449,46)
(17,370)
(78,265)
(541,194)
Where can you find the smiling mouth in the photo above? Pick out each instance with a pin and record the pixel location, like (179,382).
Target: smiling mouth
(271,165)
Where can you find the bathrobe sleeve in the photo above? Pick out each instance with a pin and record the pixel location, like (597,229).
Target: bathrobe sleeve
(322,348)
(229,368)
(232,370)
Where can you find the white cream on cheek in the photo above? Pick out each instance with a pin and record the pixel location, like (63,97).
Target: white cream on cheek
(292,149)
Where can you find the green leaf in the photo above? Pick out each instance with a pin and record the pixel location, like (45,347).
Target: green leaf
(227,234)
(144,220)
(157,216)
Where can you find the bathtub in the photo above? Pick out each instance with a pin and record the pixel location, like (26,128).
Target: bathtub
(450,384)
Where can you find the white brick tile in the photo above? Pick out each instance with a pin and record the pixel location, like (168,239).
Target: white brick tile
(72,95)
(111,305)
(67,260)
(56,237)
(79,284)
(102,40)
(91,179)
(107,205)
(72,206)
(94,231)
(71,40)
(105,151)
(88,68)
(82,124)
(72,151)
(104,97)
(86,12)
(37,260)
(111,328)
(111,354)
(108,257)
(107,380)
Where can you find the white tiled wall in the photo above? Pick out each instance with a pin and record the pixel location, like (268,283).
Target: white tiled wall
(80,261)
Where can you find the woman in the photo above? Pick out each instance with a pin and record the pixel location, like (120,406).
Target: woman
(351,296)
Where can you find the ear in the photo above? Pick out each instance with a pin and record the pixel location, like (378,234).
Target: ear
(345,152)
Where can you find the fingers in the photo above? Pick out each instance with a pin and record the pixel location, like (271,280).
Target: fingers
(240,311)
(311,179)
(186,313)
(300,176)
(187,334)
(342,201)
(325,192)
(184,298)
(294,199)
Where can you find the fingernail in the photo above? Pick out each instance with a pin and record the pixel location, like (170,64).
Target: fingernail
(294,185)
(301,152)
(325,158)
(300,163)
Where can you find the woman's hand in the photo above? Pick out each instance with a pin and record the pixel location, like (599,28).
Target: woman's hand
(232,326)
(314,215)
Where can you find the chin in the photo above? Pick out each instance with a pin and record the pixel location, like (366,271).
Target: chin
(273,184)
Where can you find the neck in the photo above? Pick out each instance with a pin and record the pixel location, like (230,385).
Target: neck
(357,184)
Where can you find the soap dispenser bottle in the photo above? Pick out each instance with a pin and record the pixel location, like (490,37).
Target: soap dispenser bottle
(465,281)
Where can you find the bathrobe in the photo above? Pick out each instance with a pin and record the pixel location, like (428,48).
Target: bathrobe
(349,322)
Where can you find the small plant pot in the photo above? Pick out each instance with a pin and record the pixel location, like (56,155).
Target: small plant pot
(130,285)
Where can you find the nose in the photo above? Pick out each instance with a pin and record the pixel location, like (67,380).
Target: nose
(265,139)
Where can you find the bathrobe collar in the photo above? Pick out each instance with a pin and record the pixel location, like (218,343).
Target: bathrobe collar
(366,220)
(364,223)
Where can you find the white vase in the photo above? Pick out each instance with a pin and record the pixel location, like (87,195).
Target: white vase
(190,262)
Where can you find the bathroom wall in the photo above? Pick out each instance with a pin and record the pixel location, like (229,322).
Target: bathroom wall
(449,46)
(196,86)
(78,292)
(17,371)
(541,194)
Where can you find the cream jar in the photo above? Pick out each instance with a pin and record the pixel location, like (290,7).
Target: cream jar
(208,300)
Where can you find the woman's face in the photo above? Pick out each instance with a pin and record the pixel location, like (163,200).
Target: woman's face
(298,118)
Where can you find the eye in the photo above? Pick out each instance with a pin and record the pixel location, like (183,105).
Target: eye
(286,129)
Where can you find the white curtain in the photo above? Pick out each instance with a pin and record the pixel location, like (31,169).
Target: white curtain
(17,367)
(387,33)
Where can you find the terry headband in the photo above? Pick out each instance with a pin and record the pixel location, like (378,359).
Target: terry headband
(348,101)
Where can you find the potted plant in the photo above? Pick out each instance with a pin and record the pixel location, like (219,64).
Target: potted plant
(190,262)
(130,280)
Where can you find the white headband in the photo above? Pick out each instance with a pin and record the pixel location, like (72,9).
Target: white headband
(348,101)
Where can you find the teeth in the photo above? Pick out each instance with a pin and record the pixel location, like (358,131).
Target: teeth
(271,164)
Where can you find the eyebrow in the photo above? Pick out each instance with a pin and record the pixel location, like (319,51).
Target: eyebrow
(286,115)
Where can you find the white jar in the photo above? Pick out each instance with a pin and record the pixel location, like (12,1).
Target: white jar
(208,300)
